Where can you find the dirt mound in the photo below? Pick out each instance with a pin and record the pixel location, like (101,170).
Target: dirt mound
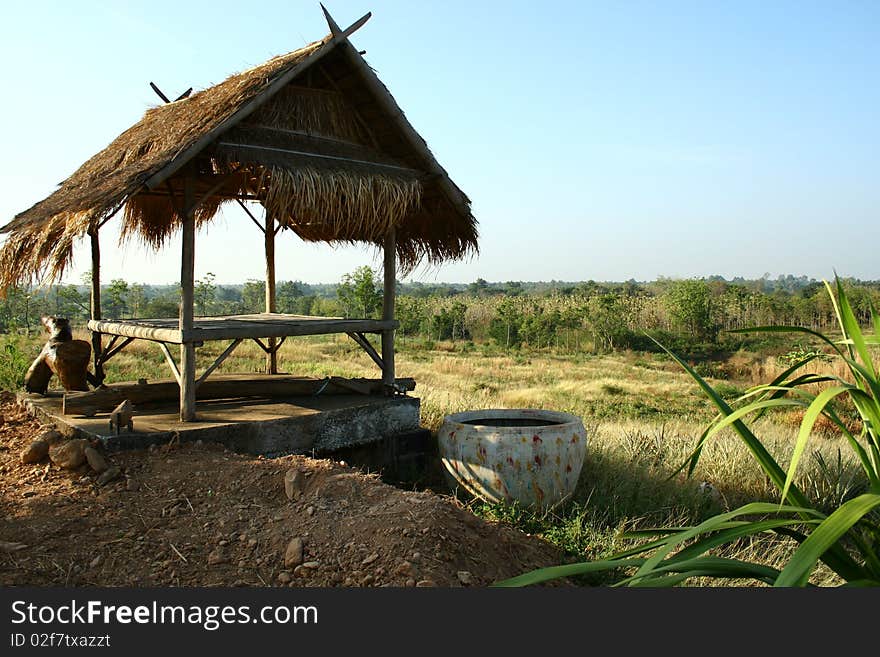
(199,515)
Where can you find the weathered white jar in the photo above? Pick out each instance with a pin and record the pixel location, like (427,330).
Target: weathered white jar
(531,456)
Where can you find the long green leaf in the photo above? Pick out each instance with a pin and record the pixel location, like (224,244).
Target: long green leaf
(789,329)
(824,537)
(555,572)
(815,409)
(853,331)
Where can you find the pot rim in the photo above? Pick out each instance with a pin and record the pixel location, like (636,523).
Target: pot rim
(559,419)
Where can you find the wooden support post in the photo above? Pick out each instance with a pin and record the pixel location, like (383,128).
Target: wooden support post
(187,299)
(388,298)
(271,354)
(95,306)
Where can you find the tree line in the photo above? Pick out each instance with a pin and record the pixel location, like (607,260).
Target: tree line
(581,316)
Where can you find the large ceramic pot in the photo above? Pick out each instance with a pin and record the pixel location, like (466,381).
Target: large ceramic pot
(530,456)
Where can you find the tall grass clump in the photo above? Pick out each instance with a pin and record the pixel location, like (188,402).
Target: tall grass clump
(841,532)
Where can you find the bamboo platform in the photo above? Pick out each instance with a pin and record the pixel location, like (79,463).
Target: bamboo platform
(230,327)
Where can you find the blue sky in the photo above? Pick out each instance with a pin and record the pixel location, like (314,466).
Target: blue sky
(596,140)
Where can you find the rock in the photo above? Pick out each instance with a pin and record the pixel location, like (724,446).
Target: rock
(69,454)
(294,484)
(50,436)
(35,452)
(110,474)
(96,460)
(131,485)
(425,583)
(370,559)
(465,577)
(311,565)
(217,557)
(310,510)
(293,555)
(97,561)
(410,582)
(405,568)
(284,577)
(416,557)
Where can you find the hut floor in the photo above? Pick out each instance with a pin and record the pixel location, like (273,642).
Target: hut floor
(267,426)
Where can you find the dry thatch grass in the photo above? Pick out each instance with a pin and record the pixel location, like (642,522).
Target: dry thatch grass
(305,154)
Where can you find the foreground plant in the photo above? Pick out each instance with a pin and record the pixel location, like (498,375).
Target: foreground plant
(847,540)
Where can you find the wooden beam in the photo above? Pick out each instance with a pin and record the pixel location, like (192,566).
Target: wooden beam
(364,344)
(187,302)
(159,93)
(221,387)
(156,334)
(217,362)
(269,242)
(171,362)
(95,305)
(320,156)
(250,214)
(109,352)
(388,299)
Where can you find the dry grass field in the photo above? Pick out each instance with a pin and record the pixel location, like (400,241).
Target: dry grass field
(643,414)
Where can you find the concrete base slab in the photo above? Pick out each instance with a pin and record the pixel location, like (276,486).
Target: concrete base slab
(269,426)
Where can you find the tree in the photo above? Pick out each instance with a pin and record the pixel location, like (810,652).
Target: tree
(287,295)
(136,299)
(117,294)
(205,294)
(359,294)
(253,296)
(690,306)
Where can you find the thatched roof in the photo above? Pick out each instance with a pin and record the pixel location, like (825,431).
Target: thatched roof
(312,135)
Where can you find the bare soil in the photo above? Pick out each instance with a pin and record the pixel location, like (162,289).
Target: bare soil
(200,515)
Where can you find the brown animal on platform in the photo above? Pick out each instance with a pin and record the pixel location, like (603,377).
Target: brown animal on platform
(66,358)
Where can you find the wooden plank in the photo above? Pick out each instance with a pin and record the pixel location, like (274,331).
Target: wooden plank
(187,302)
(222,387)
(110,352)
(250,214)
(388,299)
(159,93)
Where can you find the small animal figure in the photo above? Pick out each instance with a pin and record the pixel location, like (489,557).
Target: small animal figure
(121,417)
(66,358)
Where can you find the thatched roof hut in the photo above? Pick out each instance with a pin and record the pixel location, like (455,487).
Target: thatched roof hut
(313,135)
(315,138)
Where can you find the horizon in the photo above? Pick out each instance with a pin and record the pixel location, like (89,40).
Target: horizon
(629,142)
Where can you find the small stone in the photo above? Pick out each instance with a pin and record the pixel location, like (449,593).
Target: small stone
(310,510)
(97,561)
(348,581)
(465,577)
(96,460)
(284,577)
(252,543)
(425,583)
(298,571)
(311,565)
(294,483)
(293,555)
(404,568)
(370,559)
(131,485)
(35,452)
(416,557)
(411,582)
(111,474)
(69,454)
(217,556)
